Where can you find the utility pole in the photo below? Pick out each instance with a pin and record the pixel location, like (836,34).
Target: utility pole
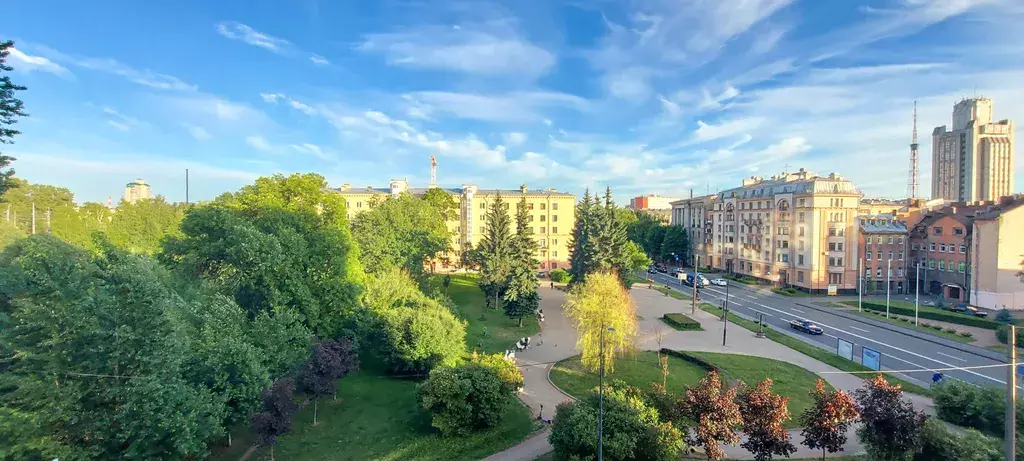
(600,399)
(1011,398)
(47,220)
(917,292)
(186,187)
(888,270)
(33,218)
(725,313)
(860,285)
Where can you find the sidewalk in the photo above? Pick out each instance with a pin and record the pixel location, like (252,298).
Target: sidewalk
(559,341)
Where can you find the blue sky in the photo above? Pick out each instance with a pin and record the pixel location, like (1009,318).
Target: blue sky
(647,96)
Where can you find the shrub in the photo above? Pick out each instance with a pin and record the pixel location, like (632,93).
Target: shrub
(925,324)
(951,317)
(1004,316)
(1003,335)
(632,429)
(966,334)
(560,276)
(937,327)
(938,442)
(681,322)
(951,330)
(470,396)
(981,408)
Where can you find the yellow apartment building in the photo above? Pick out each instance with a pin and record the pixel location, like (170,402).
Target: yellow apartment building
(552,215)
(997,250)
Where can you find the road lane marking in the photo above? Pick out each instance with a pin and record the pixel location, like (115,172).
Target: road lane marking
(950,356)
(797,310)
(860,329)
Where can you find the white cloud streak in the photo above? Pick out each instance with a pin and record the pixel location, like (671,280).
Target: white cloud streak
(28,63)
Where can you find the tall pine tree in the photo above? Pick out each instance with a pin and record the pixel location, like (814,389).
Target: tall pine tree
(495,251)
(521,294)
(581,248)
(610,238)
(10,108)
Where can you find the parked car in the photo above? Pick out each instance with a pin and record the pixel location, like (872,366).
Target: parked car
(806,326)
(688,280)
(676,271)
(652,270)
(541,274)
(719,282)
(660,268)
(968,310)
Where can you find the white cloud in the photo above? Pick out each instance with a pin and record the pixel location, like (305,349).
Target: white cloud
(311,149)
(244,33)
(710,101)
(197,132)
(27,63)
(669,108)
(515,138)
(706,132)
(633,83)
(319,60)
(510,107)
(299,106)
(120,121)
(259,143)
(119,126)
(486,49)
(144,77)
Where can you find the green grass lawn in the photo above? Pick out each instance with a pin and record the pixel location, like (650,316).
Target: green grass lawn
(643,369)
(906,308)
(815,352)
(379,418)
(892,320)
(501,331)
(1004,349)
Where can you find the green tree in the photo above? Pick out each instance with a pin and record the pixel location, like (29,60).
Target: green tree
(890,429)
(283,242)
(676,242)
(632,429)
(442,201)
(140,227)
(939,443)
(95,362)
(21,196)
(654,237)
(559,275)
(406,329)
(495,250)
(471,396)
(764,417)
(11,108)
(637,229)
(521,296)
(611,242)
(636,259)
(601,310)
(72,226)
(582,247)
(400,232)
(9,233)
(712,404)
(826,422)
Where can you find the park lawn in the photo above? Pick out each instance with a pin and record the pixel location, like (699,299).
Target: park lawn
(643,369)
(379,418)
(488,330)
(941,333)
(815,352)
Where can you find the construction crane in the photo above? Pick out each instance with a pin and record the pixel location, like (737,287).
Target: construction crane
(433,171)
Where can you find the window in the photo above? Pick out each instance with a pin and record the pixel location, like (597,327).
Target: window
(899,272)
(958,231)
(901,240)
(890,256)
(879,255)
(832,232)
(800,245)
(800,260)
(949,266)
(963,249)
(554,230)
(867,272)
(801,233)
(800,202)
(942,248)
(931,263)
(839,262)
(483,206)
(800,276)
(800,217)
(554,241)
(554,206)
(913,246)
(932,247)
(554,253)
(878,272)
(937,230)
(840,246)
(831,261)
(785,258)
(961,268)
(359,204)
(554,218)
(542,218)
(543,205)
(890,240)
(530,206)
(543,230)
(942,264)
(901,256)
(867,256)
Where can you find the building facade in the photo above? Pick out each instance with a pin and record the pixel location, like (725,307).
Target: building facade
(939,244)
(797,229)
(883,243)
(997,251)
(651,202)
(973,161)
(137,190)
(552,215)
(695,215)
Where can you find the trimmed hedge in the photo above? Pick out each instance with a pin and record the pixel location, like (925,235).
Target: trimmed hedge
(560,275)
(950,317)
(707,366)
(681,322)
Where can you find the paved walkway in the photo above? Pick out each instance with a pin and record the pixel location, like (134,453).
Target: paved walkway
(559,340)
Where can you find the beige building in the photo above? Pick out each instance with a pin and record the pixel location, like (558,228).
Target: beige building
(973,161)
(795,229)
(137,190)
(552,215)
(651,202)
(997,250)
(695,215)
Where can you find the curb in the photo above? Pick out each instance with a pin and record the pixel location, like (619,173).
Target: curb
(984,353)
(547,375)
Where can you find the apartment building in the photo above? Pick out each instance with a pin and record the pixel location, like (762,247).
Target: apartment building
(694,214)
(796,229)
(137,190)
(974,160)
(883,243)
(651,202)
(997,254)
(940,245)
(552,215)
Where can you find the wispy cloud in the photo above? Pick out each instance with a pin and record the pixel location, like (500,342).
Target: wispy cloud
(197,132)
(492,49)
(27,63)
(120,121)
(259,143)
(515,138)
(299,106)
(512,107)
(319,60)
(238,31)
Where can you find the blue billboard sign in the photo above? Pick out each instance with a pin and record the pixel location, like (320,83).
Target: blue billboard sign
(870,358)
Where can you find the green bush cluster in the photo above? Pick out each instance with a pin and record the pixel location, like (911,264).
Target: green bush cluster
(681,322)
(981,408)
(560,276)
(950,317)
(470,396)
(1003,335)
(937,442)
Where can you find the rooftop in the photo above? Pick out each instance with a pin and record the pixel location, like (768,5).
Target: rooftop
(881,223)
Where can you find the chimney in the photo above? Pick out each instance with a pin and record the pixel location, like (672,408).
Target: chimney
(522,188)
(345,187)
(691,193)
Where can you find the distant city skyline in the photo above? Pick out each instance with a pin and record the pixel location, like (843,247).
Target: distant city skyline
(646,97)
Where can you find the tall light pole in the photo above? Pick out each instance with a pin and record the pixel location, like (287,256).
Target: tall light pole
(1011,398)
(725,313)
(600,399)
(888,270)
(860,285)
(917,291)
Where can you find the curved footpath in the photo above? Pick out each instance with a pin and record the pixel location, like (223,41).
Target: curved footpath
(558,339)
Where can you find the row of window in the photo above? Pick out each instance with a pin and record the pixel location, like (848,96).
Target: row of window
(867,256)
(880,240)
(543,218)
(942,247)
(529,206)
(956,231)
(543,230)
(943,265)
(878,272)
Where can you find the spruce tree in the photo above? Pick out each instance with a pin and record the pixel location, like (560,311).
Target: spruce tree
(521,294)
(10,109)
(495,251)
(610,238)
(581,250)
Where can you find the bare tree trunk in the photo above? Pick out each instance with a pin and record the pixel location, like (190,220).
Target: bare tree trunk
(520,321)
(315,400)
(229,438)
(272,453)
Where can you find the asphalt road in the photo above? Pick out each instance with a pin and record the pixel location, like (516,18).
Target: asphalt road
(899,351)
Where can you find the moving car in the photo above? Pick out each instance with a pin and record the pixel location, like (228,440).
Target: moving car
(652,270)
(688,280)
(806,326)
(541,274)
(675,272)
(719,282)
(968,310)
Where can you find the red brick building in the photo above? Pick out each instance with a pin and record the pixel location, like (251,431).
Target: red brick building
(940,244)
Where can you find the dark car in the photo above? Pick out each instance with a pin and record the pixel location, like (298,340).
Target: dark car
(968,310)
(652,270)
(806,326)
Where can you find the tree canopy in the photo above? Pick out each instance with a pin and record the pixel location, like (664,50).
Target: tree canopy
(11,108)
(601,310)
(401,232)
(521,296)
(494,253)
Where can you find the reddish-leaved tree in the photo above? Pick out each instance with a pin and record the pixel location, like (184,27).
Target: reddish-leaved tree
(826,422)
(764,414)
(279,408)
(891,425)
(329,361)
(712,405)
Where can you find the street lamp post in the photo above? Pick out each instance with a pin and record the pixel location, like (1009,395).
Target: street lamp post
(917,291)
(600,399)
(888,273)
(725,313)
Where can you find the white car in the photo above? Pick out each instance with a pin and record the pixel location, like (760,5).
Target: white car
(719,282)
